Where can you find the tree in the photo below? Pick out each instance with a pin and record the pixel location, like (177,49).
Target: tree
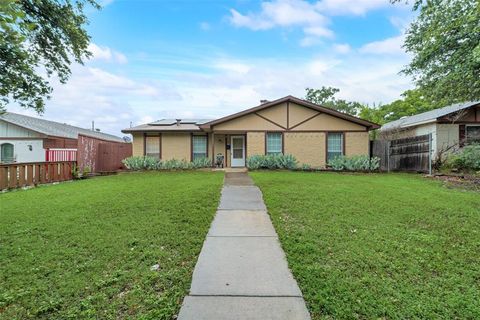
(38,39)
(444,40)
(412,102)
(325,96)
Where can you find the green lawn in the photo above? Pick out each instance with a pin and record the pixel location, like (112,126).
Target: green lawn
(378,246)
(84,249)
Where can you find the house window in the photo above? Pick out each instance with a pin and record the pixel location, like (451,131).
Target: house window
(334,145)
(274,143)
(152,146)
(199,147)
(6,154)
(472,134)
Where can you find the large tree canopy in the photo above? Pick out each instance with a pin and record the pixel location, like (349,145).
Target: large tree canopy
(445,43)
(326,96)
(38,39)
(412,102)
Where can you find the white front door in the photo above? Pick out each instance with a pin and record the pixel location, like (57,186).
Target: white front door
(238,151)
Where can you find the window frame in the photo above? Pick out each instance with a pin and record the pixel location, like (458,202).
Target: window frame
(193,144)
(466,133)
(145,139)
(5,160)
(342,135)
(281,152)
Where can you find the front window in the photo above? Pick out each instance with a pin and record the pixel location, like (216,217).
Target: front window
(7,154)
(152,146)
(274,143)
(199,144)
(334,145)
(472,134)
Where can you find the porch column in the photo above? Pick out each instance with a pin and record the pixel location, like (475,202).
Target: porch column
(213,149)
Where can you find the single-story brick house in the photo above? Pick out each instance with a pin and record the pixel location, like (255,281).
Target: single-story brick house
(310,132)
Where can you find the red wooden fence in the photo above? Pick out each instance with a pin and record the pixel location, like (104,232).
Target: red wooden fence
(55,155)
(101,155)
(19,175)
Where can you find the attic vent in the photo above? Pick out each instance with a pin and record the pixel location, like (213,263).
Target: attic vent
(263,101)
(178,121)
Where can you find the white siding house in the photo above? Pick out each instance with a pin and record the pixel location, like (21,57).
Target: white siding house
(450,126)
(29,139)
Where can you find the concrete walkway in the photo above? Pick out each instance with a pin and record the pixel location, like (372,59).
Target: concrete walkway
(241,272)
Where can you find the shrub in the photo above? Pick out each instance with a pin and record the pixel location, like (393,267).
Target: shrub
(355,163)
(277,161)
(141,163)
(201,163)
(306,167)
(150,163)
(467,158)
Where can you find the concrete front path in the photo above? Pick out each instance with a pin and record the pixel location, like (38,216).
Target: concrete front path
(241,272)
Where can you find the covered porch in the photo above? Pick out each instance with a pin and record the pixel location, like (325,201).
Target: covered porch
(232,146)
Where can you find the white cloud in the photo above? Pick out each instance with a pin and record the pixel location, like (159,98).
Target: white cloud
(233,66)
(391,45)
(342,48)
(311,17)
(106,54)
(350,7)
(285,14)
(319,31)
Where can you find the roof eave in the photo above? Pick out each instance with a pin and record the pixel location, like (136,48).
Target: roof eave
(369,125)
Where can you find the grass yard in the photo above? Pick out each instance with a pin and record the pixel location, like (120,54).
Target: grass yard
(378,246)
(84,249)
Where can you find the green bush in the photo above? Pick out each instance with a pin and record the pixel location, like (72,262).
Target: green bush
(149,163)
(201,163)
(306,167)
(141,163)
(467,158)
(355,163)
(277,161)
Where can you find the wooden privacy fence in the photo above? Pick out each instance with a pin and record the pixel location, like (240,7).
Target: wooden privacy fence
(100,155)
(18,175)
(406,154)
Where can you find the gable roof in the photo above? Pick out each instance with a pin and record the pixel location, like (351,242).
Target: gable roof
(427,117)
(54,129)
(301,102)
(169,125)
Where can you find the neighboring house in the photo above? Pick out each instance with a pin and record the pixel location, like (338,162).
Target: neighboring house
(310,132)
(454,125)
(29,139)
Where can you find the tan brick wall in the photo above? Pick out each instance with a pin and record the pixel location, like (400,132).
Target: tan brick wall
(307,147)
(176,146)
(356,143)
(255,143)
(137,144)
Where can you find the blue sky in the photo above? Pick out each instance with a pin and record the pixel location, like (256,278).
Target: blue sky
(155,59)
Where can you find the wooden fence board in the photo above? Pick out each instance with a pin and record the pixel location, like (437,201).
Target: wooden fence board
(21,177)
(17,175)
(30,175)
(3,178)
(12,177)
(406,154)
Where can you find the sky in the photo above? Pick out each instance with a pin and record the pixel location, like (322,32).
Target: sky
(155,59)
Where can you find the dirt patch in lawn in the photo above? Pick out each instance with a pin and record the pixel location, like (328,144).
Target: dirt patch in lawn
(459,181)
